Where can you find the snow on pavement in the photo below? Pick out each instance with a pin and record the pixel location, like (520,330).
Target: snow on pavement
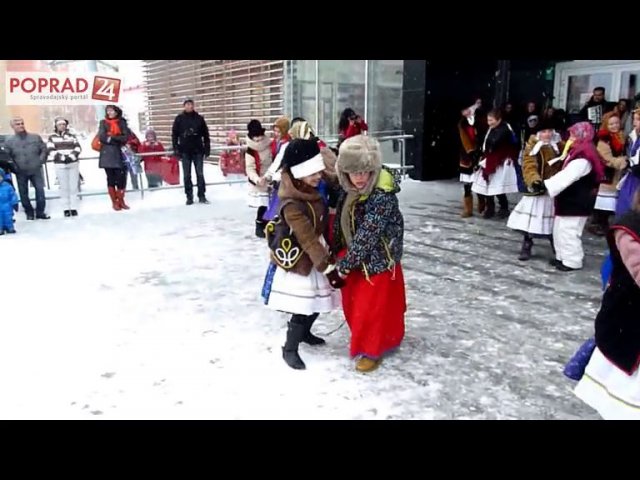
(155,313)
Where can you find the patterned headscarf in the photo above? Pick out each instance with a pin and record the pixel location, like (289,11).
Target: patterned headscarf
(301,130)
(583,147)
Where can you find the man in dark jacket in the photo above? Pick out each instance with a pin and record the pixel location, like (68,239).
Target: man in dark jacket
(28,153)
(596,107)
(191,142)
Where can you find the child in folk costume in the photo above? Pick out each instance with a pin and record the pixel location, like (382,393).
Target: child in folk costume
(469,157)
(612,148)
(257,161)
(368,239)
(280,137)
(305,288)
(574,189)
(611,381)
(328,188)
(533,216)
(630,182)
(497,175)
(232,162)
(152,163)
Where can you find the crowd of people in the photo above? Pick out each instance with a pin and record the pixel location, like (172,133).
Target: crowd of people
(334,230)
(569,170)
(331,217)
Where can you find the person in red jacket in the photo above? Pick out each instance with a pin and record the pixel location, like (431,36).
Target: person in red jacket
(350,125)
(232,161)
(152,163)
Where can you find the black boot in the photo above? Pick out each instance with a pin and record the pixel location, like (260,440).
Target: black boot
(309,338)
(74,213)
(260,223)
(504,206)
(525,252)
(67,213)
(295,332)
(490,209)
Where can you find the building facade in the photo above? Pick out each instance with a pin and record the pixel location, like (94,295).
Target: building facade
(229,93)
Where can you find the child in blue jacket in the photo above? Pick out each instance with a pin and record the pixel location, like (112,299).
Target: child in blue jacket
(8,199)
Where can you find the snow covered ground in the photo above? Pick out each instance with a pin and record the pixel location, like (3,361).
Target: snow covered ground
(155,313)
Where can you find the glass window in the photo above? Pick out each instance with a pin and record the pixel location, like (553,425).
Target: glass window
(303,90)
(629,84)
(581,88)
(385,96)
(341,86)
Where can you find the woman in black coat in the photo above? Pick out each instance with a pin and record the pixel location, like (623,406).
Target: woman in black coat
(113,134)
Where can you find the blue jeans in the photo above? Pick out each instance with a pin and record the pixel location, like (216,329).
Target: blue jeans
(197,160)
(37,180)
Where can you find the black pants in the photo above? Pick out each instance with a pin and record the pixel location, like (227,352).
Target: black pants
(304,319)
(37,180)
(116,177)
(197,160)
(503,201)
(467,189)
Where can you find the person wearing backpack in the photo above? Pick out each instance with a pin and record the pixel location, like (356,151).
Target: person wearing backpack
(305,280)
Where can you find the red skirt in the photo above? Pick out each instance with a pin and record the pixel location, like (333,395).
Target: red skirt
(374,311)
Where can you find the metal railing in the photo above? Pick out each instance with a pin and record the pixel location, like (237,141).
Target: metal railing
(401,139)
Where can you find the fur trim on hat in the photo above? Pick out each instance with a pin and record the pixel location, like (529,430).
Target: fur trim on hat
(359,154)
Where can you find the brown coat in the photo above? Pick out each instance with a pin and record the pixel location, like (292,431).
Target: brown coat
(535,167)
(468,146)
(299,217)
(617,163)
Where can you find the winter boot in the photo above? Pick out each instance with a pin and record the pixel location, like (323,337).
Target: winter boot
(366,364)
(74,213)
(260,223)
(115,202)
(67,213)
(123,205)
(525,253)
(309,338)
(295,332)
(467,210)
(482,204)
(204,200)
(504,206)
(490,209)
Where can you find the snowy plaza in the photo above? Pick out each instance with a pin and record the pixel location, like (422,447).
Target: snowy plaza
(155,313)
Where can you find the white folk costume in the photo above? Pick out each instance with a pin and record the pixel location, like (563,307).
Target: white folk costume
(574,189)
(302,283)
(497,174)
(611,381)
(469,156)
(535,212)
